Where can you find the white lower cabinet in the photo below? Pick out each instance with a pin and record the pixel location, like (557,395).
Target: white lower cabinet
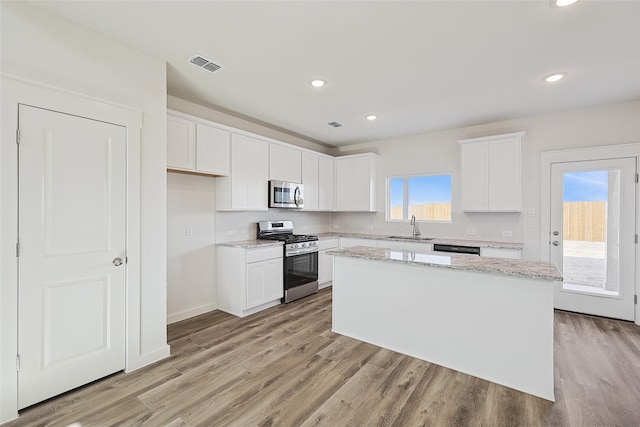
(325,262)
(501,253)
(249,280)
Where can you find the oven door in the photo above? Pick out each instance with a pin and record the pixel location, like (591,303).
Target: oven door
(300,270)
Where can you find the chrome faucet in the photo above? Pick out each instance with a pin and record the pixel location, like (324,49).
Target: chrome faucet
(415,230)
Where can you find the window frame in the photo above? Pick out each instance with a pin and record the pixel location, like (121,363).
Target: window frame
(405,197)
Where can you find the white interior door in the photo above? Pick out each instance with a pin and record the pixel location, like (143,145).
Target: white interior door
(592,237)
(72,212)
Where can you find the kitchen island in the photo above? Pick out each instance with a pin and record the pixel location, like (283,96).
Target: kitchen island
(487,317)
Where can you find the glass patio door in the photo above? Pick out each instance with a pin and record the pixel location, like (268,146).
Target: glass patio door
(592,237)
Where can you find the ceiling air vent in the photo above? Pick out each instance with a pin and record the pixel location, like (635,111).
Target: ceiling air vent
(335,124)
(204,63)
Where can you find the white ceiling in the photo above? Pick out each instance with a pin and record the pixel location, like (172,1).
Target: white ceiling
(421,66)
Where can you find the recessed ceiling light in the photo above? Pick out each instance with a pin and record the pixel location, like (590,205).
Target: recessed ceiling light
(317,83)
(552,78)
(371,117)
(563,3)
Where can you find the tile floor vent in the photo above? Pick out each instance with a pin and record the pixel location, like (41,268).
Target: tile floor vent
(335,124)
(202,62)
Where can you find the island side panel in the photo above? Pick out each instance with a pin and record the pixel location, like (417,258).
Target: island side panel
(498,328)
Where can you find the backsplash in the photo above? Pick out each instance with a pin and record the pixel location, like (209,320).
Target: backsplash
(235,226)
(486,226)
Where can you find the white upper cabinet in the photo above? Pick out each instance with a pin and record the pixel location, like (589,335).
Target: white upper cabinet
(285,163)
(195,145)
(326,183)
(356,182)
(491,173)
(181,143)
(310,180)
(246,189)
(212,150)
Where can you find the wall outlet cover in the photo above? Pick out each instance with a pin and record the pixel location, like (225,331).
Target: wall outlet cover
(471,232)
(507,233)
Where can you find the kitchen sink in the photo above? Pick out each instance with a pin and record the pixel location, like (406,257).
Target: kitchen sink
(417,238)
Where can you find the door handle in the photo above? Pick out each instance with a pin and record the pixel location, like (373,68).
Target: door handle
(555,243)
(295,197)
(117,261)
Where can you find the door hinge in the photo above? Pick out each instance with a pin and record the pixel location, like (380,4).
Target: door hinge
(18,249)
(636,178)
(635,299)
(18,363)
(18,136)
(636,239)
(126,259)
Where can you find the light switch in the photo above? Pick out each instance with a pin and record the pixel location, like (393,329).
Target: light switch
(531,212)
(531,223)
(188,230)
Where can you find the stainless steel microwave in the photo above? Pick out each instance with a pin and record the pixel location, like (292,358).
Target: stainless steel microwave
(286,195)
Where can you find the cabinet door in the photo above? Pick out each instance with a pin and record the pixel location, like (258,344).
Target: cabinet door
(475,176)
(259,175)
(256,283)
(212,150)
(326,171)
(355,184)
(325,267)
(240,171)
(180,143)
(285,163)
(310,180)
(504,175)
(264,282)
(274,284)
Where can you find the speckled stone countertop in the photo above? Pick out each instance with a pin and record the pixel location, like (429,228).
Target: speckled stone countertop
(540,270)
(249,244)
(437,240)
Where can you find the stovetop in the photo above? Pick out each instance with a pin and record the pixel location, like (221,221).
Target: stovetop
(289,238)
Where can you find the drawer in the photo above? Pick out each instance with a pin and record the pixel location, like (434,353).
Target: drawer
(272,252)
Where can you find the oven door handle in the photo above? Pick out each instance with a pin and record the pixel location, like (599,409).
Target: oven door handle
(296,199)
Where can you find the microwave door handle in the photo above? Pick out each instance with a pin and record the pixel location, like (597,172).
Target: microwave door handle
(295,197)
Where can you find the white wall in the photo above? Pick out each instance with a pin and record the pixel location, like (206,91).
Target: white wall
(191,276)
(43,48)
(439,152)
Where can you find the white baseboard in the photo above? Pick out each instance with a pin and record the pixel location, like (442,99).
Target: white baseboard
(176,317)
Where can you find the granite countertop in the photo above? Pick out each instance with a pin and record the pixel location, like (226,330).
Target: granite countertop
(436,240)
(249,244)
(540,270)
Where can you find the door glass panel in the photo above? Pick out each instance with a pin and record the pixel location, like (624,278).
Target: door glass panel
(591,231)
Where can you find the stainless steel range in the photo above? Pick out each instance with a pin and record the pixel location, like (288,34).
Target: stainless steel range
(300,258)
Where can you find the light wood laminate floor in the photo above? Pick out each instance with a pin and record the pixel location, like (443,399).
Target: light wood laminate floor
(284,367)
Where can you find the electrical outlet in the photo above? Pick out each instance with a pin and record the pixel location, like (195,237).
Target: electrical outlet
(471,232)
(336,226)
(507,233)
(188,230)
(531,223)
(232,232)
(369,227)
(243,231)
(531,212)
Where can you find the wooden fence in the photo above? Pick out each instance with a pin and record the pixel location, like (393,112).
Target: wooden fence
(586,221)
(432,211)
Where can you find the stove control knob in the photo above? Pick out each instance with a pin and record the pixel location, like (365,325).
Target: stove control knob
(293,246)
(304,245)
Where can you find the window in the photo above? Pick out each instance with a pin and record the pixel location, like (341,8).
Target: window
(428,197)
